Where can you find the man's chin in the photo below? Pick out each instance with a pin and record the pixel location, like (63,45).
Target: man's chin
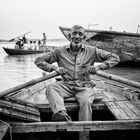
(77,43)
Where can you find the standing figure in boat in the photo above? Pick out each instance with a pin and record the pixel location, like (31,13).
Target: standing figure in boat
(75,65)
(44,39)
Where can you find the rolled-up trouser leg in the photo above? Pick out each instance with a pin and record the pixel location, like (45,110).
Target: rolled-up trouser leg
(55,94)
(85,98)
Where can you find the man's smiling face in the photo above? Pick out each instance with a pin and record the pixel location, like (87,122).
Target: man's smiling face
(77,36)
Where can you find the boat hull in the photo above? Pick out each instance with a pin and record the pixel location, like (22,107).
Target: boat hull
(10,51)
(116,113)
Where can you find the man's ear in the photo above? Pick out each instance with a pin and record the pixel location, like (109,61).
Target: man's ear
(84,37)
(69,36)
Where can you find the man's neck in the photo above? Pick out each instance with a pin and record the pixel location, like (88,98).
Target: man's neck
(75,48)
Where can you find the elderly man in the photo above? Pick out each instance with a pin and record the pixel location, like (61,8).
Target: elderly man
(75,65)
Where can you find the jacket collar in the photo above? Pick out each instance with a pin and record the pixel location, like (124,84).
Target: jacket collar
(82,48)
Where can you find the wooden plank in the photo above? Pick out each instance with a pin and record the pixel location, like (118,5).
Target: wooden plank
(133,108)
(118,113)
(13,114)
(16,100)
(19,115)
(18,107)
(75,126)
(27,105)
(129,109)
(19,111)
(3,130)
(74,106)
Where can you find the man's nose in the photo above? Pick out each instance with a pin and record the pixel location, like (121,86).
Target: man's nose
(77,35)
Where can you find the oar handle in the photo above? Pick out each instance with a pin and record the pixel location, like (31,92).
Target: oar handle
(19,36)
(30,83)
(118,79)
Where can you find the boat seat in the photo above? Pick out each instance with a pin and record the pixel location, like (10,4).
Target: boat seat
(98,97)
(71,104)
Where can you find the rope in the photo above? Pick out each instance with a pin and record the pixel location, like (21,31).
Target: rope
(10,128)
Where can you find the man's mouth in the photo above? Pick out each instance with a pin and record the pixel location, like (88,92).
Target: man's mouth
(76,41)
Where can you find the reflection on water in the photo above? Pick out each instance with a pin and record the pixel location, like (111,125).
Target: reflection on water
(19,59)
(18,69)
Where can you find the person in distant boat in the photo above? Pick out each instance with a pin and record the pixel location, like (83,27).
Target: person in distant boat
(31,45)
(75,65)
(23,41)
(18,44)
(44,39)
(40,45)
(26,46)
(36,47)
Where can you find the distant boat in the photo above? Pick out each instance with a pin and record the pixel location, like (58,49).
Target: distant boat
(126,45)
(11,51)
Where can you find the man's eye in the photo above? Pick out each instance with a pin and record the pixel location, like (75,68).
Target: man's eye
(81,34)
(74,33)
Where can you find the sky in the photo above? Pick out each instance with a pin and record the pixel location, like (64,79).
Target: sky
(45,16)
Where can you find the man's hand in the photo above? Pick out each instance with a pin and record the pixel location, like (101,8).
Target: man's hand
(61,70)
(93,69)
(83,74)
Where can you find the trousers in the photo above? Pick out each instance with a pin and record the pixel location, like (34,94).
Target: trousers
(58,91)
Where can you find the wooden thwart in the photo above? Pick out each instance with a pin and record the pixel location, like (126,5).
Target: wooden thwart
(72,105)
(75,126)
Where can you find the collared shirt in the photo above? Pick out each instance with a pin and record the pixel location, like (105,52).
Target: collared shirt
(76,65)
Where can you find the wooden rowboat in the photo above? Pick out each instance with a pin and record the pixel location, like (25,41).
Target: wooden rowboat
(11,51)
(116,111)
(126,45)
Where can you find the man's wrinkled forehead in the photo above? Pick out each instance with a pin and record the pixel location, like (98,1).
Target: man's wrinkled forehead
(77,28)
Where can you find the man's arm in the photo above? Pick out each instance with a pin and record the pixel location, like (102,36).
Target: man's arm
(107,60)
(45,61)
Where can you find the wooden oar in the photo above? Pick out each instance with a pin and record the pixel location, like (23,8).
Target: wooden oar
(54,74)
(19,36)
(118,79)
(30,83)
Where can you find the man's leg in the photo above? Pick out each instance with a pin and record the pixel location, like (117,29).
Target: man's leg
(55,93)
(85,97)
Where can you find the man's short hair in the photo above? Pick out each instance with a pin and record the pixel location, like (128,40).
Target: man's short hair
(77,27)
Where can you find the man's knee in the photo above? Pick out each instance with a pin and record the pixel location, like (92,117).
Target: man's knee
(85,100)
(51,87)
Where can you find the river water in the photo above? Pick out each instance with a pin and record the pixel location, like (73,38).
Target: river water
(16,70)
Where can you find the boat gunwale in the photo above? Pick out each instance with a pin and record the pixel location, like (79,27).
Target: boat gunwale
(75,126)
